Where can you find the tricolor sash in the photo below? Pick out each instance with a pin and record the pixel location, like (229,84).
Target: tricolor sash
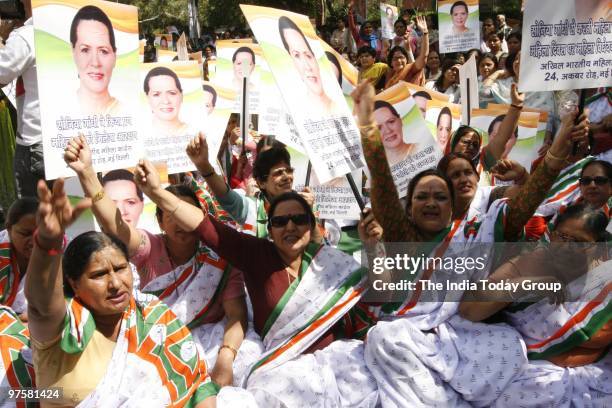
(155,360)
(15,371)
(329,284)
(257,217)
(192,288)
(549,329)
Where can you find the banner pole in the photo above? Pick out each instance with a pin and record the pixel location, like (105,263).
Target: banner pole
(356,192)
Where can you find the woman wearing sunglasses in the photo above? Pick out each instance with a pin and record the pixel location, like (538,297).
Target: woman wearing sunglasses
(300,290)
(181,270)
(428,336)
(274,175)
(587,181)
(567,340)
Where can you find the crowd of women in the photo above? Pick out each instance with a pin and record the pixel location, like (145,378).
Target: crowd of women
(252,300)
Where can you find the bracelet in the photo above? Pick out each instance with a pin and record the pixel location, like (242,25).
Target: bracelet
(49,251)
(519,107)
(98,196)
(556,158)
(207,175)
(368,126)
(230,348)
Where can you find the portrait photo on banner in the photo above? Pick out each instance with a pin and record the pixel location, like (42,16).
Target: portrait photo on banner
(174,110)
(87,67)
(388,16)
(310,89)
(408,142)
(459,26)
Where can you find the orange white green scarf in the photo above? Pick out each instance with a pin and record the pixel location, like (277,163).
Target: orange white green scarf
(155,361)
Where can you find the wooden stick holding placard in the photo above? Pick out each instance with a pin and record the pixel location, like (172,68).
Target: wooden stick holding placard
(244,112)
(581,102)
(356,192)
(308,172)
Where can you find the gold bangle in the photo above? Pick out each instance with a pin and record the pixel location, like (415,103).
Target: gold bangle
(98,196)
(556,158)
(230,348)
(368,126)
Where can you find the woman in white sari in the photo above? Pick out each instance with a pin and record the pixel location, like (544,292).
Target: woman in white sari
(424,354)
(300,292)
(567,341)
(99,345)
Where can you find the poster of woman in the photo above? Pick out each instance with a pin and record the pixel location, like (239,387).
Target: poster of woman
(87,58)
(459,25)
(388,16)
(174,111)
(408,142)
(309,88)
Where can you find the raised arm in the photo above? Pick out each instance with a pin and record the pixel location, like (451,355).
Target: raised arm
(421,60)
(231,245)
(386,204)
(235,204)
(522,206)
(44,284)
(78,157)
(495,148)
(351,22)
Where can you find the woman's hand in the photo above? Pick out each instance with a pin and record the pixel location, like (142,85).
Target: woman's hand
(569,133)
(55,213)
(308,195)
(363,96)
(197,150)
(370,231)
(147,178)
(77,154)
(421,24)
(509,170)
(516,97)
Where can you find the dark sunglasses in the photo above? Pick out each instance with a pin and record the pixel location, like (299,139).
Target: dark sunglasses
(279,221)
(599,180)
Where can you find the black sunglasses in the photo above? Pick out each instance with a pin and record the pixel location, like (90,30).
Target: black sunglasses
(279,221)
(599,180)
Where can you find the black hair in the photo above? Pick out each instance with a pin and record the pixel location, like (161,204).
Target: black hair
(515,34)
(495,33)
(444,111)
(446,160)
(291,196)
(20,208)
(92,13)
(79,252)
(446,65)
(179,190)
(496,120)
(285,23)
(268,159)
(366,49)
(268,141)
(607,167)
(459,3)
(161,71)
(422,94)
(510,62)
(459,133)
(211,90)
(332,58)
(384,104)
(393,51)
(490,56)
(122,174)
(244,49)
(595,220)
(429,172)
(400,21)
